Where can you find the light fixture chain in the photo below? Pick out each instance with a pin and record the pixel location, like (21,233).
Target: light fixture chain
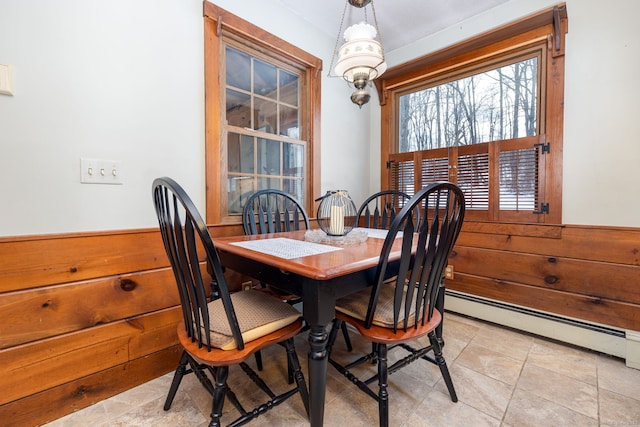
(375,21)
(335,48)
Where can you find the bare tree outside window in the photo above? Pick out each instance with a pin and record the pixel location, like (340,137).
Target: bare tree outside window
(490,106)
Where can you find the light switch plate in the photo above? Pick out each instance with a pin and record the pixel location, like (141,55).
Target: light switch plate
(100,171)
(6,80)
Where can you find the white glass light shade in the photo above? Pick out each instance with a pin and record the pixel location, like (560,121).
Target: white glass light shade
(361,54)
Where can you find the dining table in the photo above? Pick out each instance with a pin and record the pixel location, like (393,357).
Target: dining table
(320,271)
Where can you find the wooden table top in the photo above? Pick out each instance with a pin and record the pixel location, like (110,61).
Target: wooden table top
(350,258)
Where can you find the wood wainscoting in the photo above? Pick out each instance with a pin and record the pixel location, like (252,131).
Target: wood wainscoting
(584,272)
(85,316)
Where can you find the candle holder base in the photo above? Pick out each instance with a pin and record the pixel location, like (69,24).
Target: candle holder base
(353,238)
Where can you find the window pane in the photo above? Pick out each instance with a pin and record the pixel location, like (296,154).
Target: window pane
(490,106)
(240,153)
(288,88)
(266,183)
(519,179)
(265,112)
(238,109)
(293,160)
(240,188)
(238,68)
(294,187)
(268,157)
(264,75)
(289,122)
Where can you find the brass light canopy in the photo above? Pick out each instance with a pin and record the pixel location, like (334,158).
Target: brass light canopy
(361,58)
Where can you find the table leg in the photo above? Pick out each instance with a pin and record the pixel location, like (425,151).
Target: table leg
(317,373)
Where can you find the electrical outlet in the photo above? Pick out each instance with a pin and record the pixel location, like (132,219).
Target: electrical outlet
(448,272)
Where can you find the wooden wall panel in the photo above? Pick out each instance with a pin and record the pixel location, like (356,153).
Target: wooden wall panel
(586,272)
(85,316)
(70,258)
(79,313)
(590,278)
(55,402)
(617,245)
(604,311)
(71,307)
(43,364)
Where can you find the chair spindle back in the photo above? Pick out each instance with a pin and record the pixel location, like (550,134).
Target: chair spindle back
(425,253)
(380,209)
(272,211)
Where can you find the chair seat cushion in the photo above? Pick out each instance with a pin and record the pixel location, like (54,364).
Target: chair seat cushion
(258,315)
(356,305)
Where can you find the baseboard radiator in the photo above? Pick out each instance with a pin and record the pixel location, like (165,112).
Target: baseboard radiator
(601,338)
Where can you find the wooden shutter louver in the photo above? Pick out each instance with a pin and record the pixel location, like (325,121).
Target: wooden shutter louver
(402,176)
(434,170)
(473,179)
(519,179)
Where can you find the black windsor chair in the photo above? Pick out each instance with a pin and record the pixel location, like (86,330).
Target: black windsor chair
(219,332)
(391,314)
(273,211)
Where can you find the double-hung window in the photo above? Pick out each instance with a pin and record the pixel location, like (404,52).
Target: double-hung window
(262,115)
(486,115)
(262,124)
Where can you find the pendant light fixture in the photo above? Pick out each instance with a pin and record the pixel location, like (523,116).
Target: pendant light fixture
(361,58)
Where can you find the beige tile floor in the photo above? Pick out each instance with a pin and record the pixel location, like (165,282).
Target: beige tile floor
(502,377)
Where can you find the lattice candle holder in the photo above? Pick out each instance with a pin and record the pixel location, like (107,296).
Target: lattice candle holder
(336,213)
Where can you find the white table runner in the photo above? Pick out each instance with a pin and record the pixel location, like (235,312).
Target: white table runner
(377,233)
(286,248)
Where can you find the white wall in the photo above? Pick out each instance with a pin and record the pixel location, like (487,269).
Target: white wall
(124,80)
(601,183)
(118,80)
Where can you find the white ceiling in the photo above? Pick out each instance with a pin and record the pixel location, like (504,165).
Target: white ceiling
(400,21)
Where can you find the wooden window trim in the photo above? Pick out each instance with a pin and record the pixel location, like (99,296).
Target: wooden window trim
(547,26)
(217,22)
